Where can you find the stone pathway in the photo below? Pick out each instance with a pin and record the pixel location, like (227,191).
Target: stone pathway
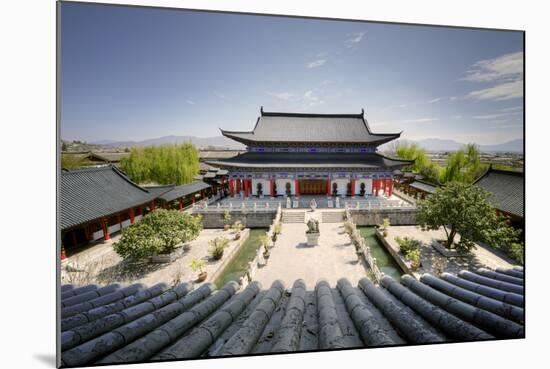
(480,256)
(103,265)
(292,259)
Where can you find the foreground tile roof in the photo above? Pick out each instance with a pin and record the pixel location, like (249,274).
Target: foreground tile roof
(115,325)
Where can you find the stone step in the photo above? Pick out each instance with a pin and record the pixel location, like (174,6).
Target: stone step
(293,217)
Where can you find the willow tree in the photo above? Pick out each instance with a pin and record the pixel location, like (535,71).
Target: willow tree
(463,165)
(422,163)
(166,164)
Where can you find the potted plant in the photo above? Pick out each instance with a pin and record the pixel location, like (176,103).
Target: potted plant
(237,228)
(288,187)
(227,219)
(198,265)
(217,245)
(384,226)
(276,231)
(312,232)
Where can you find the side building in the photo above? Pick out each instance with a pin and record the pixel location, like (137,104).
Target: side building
(507,193)
(293,154)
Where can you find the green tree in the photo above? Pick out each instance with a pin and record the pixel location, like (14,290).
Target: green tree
(158,232)
(422,163)
(458,208)
(463,165)
(166,164)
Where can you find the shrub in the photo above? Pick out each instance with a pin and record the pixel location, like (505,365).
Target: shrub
(406,245)
(238,226)
(217,246)
(158,232)
(312,226)
(414,257)
(197,265)
(277,228)
(385,224)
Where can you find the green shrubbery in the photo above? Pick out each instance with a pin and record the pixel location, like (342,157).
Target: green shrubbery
(166,164)
(158,232)
(410,248)
(217,246)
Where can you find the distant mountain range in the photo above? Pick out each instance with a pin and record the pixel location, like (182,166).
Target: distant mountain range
(200,142)
(430,144)
(436,144)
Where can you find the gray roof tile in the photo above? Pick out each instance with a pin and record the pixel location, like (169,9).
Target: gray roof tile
(184,323)
(294,127)
(308,160)
(506,188)
(92,193)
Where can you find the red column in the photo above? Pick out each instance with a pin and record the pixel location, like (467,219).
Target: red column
(245,187)
(132,216)
(231,187)
(119,218)
(63,255)
(353,187)
(152,205)
(377,186)
(297,185)
(74,238)
(181,203)
(328,187)
(106,235)
(391,187)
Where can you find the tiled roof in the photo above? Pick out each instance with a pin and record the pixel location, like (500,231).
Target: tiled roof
(294,127)
(506,188)
(424,186)
(92,193)
(117,325)
(184,190)
(308,160)
(218,154)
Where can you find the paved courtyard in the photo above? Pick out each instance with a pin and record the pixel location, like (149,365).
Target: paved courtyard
(101,264)
(292,259)
(480,256)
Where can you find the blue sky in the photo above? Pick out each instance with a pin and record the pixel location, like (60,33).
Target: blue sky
(137,73)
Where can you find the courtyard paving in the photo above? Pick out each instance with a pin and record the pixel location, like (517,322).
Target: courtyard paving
(292,259)
(101,264)
(480,257)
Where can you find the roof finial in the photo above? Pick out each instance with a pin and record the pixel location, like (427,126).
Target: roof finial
(262,110)
(362,112)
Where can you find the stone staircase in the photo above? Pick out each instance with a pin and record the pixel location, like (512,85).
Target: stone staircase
(332,216)
(293,217)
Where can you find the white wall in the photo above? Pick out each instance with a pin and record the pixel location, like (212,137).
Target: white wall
(265,186)
(281,188)
(368,186)
(342,185)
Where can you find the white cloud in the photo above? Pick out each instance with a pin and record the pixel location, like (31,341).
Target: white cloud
(496,115)
(503,91)
(190,102)
(457,116)
(355,38)
(316,63)
(505,71)
(508,67)
(220,95)
(513,108)
(281,95)
(434,100)
(402,106)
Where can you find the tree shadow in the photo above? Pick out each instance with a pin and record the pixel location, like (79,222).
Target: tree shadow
(304,245)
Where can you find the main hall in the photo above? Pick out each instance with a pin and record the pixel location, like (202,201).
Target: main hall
(293,154)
